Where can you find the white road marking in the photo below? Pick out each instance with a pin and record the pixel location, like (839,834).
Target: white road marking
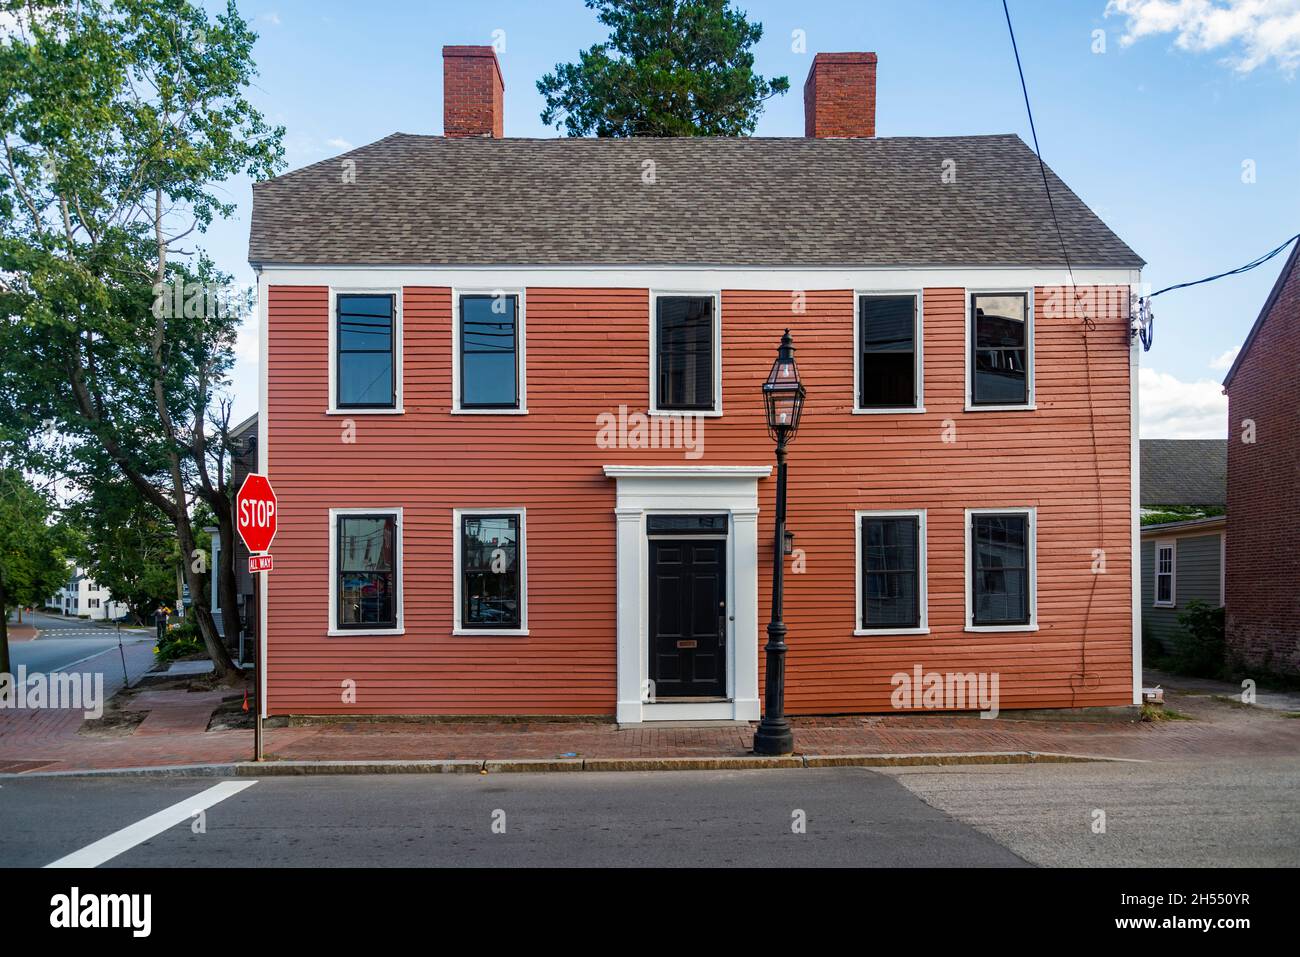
(107,848)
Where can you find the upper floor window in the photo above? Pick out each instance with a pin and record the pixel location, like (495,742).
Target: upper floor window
(1001,350)
(366,337)
(1001,574)
(488,342)
(889,368)
(686,366)
(365,556)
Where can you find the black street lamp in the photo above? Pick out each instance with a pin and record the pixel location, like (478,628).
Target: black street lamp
(783,395)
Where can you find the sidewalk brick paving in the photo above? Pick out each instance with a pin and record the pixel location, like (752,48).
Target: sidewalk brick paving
(1219,731)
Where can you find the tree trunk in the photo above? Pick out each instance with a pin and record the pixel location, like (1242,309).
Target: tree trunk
(225,668)
(226,582)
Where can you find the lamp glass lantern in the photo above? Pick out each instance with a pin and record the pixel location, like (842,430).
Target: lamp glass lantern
(783,393)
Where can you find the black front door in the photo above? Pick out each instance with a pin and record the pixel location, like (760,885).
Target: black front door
(688,617)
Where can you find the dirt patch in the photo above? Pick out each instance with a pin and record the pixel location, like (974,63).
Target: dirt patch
(116,721)
(231,715)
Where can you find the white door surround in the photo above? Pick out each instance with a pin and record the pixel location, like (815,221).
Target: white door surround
(680,490)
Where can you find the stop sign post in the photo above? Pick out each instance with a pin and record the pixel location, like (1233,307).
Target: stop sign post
(256,514)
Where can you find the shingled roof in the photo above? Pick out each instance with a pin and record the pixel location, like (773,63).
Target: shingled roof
(1184,472)
(428,200)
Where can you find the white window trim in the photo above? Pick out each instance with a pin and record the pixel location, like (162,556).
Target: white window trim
(1172,545)
(457,626)
(334,293)
(1223,569)
(1030,394)
(922,573)
(653,406)
(521,347)
(333,630)
(1031,513)
(918,401)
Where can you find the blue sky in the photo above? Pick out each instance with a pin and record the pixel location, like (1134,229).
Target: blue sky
(1152,133)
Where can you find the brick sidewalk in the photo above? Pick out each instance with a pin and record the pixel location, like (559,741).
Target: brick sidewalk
(23,632)
(1218,731)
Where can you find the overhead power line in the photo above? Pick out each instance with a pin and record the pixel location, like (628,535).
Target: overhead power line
(1231,272)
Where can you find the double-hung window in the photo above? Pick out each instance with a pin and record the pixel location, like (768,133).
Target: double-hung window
(1001,350)
(490,571)
(1164,597)
(1001,576)
(891,572)
(889,352)
(365,338)
(488,338)
(366,556)
(685,373)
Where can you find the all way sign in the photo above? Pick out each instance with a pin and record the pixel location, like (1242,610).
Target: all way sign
(260,563)
(255,517)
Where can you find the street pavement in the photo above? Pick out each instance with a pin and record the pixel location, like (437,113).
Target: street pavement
(1239,813)
(851,817)
(65,642)
(1218,814)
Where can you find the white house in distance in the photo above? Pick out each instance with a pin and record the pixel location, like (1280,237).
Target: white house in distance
(81,596)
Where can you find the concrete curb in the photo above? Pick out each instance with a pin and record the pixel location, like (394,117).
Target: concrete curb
(550,766)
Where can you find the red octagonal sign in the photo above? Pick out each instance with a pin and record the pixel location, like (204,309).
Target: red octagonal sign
(255,513)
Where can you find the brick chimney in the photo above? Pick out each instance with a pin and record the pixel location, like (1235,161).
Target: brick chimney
(473,92)
(839,96)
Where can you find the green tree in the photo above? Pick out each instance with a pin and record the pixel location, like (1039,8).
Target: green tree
(669,68)
(119,122)
(126,545)
(33,564)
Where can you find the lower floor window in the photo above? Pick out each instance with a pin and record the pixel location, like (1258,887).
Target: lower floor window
(1000,568)
(491,570)
(1165,574)
(891,571)
(366,569)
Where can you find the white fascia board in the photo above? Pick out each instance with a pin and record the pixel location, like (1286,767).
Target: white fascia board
(692,279)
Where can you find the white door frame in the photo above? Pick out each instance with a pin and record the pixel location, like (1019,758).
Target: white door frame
(713,489)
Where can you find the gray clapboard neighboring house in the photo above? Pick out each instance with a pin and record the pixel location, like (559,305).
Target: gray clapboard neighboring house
(1183,559)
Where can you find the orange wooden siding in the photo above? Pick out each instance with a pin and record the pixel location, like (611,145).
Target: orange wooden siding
(587,353)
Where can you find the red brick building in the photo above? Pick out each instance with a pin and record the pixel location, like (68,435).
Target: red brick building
(1263,542)
(511,406)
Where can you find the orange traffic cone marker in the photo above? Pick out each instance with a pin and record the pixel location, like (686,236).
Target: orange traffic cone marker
(245,708)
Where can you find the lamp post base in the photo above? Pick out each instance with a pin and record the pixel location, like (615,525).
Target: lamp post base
(774,738)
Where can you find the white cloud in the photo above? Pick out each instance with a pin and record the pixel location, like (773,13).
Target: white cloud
(1253,32)
(1224,362)
(339,143)
(1173,409)
(271,18)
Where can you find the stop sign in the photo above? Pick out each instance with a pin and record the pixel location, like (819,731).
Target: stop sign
(255,513)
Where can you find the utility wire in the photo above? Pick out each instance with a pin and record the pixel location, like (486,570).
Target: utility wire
(1042,167)
(1231,272)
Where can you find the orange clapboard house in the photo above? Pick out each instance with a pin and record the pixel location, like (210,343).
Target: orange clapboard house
(512,411)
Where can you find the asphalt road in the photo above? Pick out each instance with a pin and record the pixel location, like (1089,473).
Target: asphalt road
(1236,813)
(1240,813)
(854,817)
(64,643)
